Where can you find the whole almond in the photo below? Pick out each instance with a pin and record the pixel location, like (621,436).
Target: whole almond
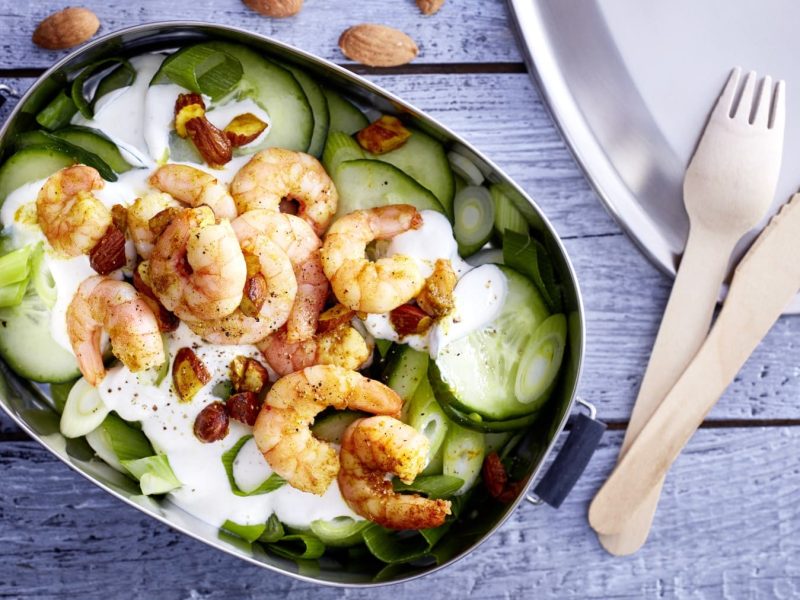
(429,7)
(377,45)
(275,8)
(66,28)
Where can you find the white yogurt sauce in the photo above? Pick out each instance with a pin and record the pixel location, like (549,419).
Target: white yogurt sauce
(205,492)
(478,296)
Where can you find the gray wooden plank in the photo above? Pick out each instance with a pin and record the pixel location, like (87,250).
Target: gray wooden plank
(728,524)
(463,31)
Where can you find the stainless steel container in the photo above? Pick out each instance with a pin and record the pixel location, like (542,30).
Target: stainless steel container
(29,405)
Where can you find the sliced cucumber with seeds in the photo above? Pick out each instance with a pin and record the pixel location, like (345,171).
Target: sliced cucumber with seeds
(424,159)
(541,361)
(344,115)
(31,164)
(277,91)
(369,183)
(319,108)
(477,373)
(474,216)
(97,143)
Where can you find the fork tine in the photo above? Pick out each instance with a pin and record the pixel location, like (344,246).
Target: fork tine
(745,105)
(778,117)
(763,103)
(724,105)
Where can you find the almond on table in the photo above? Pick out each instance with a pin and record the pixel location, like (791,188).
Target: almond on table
(275,8)
(66,28)
(377,45)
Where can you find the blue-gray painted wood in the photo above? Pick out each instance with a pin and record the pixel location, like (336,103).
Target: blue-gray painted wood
(728,521)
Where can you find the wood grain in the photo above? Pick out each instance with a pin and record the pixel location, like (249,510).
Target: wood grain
(461,32)
(730,520)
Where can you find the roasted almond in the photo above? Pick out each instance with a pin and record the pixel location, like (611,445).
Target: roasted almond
(189,374)
(167,321)
(187,107)
(429,7)
(212,144)
(66,28)
(109,253)
(244,129)
(377,45)
(254,296)
(408,319)
(248,375)
(385,134)
(211,423)
(119,217)
(436,297)
(159,222)
(275,8)
(243,407)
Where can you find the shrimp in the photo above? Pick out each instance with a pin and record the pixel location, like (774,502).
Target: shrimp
(195,188)
(270,289)
(115,306)
(197,268)
(362,285)
(71,218)
(282,430)
(342,346)
(138,220)
(373,447)
(301,244)
(276,174)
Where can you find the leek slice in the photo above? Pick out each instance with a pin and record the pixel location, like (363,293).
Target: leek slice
(12,295)
(249,533)
(473,213)
(273,530)
(84,410)
(15,266)
(427,417)
(541,360)
(154,474)
(464,450)
(42,279)
(405,369)
(506,213)
(298,546)
(270,484)
(202,69)
(339,532)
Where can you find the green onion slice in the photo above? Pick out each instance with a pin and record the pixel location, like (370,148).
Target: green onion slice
(433,486)
(202,69)
(58,112)
(15,266)
(77,93)
(339,532)
(154,474)
(273,530)
(247,532)
(299,546)
(270,484)
(42,279)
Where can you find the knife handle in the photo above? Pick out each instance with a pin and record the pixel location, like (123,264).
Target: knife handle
(764,283)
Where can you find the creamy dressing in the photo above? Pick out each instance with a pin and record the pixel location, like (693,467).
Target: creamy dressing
(478,295)
(168,423)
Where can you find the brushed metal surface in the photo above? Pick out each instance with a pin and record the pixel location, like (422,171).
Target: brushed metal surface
(29,404)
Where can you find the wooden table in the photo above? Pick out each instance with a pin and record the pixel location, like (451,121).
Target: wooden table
(729,521)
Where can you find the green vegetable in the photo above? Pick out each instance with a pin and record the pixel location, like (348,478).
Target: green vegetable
(270,484)
(506,214)
(115,441)
(273,530)
(319,107)
(330,427)
(15,267)
(249,533)
(163,370)
(541,361)
(383,347)
(465,168)
(521,203)
(473,213)
(477,422)
(79,155)
(58,112)
(31,164)
(488,256)
(528,256)
(118,78)
(154,474)
(203,69)
(42,279)
(298,547)
(344,115)
(464,450)
(405,370)
(77,92)
(97,143)
(394,547)
(59,393)
(432,486)
(340,148)
(426,416)
(339,532)
(12,294)
(84,410)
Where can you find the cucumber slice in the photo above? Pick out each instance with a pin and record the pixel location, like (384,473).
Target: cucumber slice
(97,143)
(277,91)
(473,420)
(118,78)
(473,218)
(424,159)
(370,183)
(319,108)
(490,256)
(340,532)
(344,115)
(541,361)
(330,427)
(58,112)
(116,440)
(31,164)
(464,450)
(78,154)
(465,168)
(339,148)
(84,410)
(477,373)
(426,416)
(27,346)
(405,370)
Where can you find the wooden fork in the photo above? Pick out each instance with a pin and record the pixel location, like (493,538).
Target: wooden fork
(728,187)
